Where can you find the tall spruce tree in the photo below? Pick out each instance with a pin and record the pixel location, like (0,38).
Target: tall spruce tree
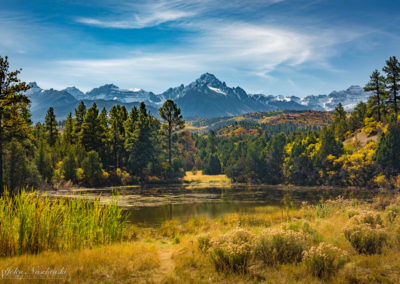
(118,116)
(376,85)
(91,131)
(68,136)
(387,154)
(173,122)
(392,70)
(80,112)
(104,150)
(51,127)
(139,142)
(339,123)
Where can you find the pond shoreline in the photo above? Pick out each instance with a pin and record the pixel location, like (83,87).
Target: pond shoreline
(154,205)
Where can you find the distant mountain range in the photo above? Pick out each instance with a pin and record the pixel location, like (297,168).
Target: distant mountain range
(205,97)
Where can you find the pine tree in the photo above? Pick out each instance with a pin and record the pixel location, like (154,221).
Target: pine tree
(91,132)
(392,70)
(356,120)
(13,109)
(43,161)
(104,151)
(68,133)
(376,85)
(339,123)
(275,155)
(388,152)
(92,168)
(69,166)
(212,165)
(51,127)
(174,122)
(118,116)
(139,143)
(80,112)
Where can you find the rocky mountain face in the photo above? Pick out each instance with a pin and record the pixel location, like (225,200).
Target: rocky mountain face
(205,97)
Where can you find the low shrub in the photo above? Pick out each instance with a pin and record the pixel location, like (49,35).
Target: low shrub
(324,260)
(231,252)
(370,218)
(280,246)
(304,227)
(364,238)
(392,212)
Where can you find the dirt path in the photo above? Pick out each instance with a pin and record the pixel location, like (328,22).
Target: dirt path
(166,264)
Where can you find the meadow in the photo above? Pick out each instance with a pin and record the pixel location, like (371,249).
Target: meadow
(334,241)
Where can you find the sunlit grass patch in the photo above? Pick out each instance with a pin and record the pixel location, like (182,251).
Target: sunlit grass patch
(199,177)
(116,263)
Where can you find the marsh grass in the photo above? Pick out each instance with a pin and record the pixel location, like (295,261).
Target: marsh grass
(31,223)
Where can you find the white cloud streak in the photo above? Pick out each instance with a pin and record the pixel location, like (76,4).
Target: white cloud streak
(237,47)
(155,12)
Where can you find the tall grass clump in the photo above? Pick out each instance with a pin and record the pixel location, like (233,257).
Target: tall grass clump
(280,246)
(231,252)
(324,260)
(30,223)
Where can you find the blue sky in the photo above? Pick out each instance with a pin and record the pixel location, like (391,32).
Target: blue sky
(288,47)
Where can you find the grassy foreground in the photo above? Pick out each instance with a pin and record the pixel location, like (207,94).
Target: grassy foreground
(336,241)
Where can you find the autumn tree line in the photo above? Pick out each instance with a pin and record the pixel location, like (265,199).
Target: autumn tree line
(120,146)
(359,148)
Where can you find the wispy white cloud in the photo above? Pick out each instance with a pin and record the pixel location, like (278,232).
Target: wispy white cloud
(252,49)
(155,12)
(138,21)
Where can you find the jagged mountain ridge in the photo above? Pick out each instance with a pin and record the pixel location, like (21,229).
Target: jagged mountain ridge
(205,97)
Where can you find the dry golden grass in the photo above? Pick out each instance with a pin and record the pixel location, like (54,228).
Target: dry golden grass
(197,178)
(122,263)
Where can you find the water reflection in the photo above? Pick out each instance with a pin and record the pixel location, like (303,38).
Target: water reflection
(151,206)
(217,202)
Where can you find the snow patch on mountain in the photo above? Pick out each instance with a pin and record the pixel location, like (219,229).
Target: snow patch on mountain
(219,91)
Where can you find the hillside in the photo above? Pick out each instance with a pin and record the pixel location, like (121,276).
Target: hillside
(260,122)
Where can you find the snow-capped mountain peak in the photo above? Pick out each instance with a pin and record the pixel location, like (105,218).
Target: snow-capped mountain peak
(205,97)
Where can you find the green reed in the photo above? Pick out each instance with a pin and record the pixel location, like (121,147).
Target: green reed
(30,223)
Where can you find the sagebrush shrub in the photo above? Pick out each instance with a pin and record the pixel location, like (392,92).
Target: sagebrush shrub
(365,232)
(392,212)
(324,260)
(231,252)
(371,218)
(304,227)
(280,246)
(364,238)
